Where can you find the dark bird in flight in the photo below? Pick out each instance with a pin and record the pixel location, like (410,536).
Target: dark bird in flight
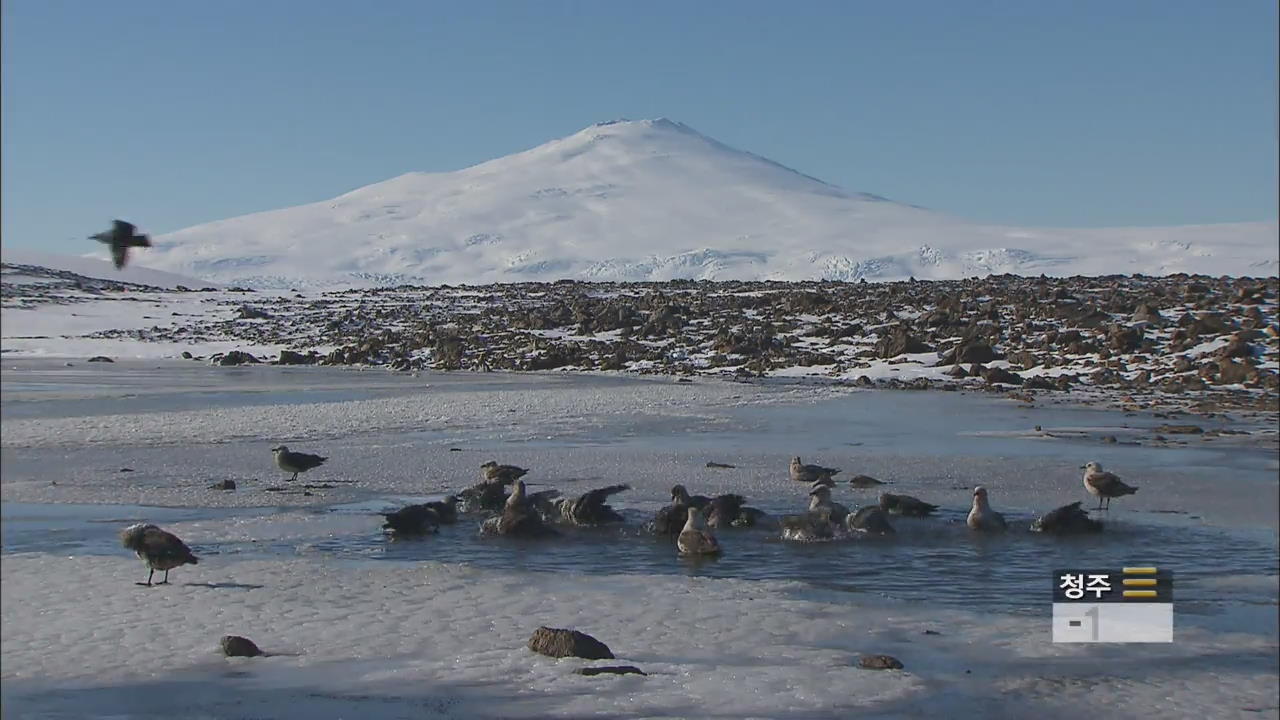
(121,237)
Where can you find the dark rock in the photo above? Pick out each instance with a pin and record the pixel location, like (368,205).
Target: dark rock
(610,670)
(974,351)
(223,485)
(880,662)
(1231,372)
(236,646)
(556,642)
(101,358)
(863,381)
(236,357)
(897,342)
(999,375)
(290,357)
(187,355)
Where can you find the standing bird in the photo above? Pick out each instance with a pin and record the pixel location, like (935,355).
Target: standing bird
(809,473)
(1103,484)
(121,237)
(982,517)
(160,550)
(695,539)
(1066,520)
(591,507)
(905,505)
(295,462)
(505,474)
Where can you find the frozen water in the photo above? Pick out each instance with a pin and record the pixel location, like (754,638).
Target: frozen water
(435,628)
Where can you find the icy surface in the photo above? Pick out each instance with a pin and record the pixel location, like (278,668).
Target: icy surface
(360,626)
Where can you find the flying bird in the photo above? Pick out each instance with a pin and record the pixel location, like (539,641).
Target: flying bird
(295,462)
(159,549)
(1104,485)
(121,237)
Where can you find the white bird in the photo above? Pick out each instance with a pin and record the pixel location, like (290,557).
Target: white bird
(695,539)
(982,517)
(820,500)
(1103,484)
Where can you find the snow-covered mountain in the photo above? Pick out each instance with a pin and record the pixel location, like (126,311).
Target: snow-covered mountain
(100,269)
(656,200)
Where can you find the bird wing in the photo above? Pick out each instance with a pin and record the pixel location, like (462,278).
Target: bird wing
(160,544)
(140,241)
(119,254)
(120,227)
(597,497)
(1106,482)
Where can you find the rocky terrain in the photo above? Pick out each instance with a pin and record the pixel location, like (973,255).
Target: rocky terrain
(1136,334)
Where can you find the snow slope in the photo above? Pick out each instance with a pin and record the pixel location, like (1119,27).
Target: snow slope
(94,268)
(656,200)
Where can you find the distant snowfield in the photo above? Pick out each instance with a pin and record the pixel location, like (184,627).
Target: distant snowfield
(656,200)
(96,268)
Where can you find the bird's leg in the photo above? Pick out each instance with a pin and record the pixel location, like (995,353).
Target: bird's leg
(149,576)
(1099,502)
(165,581)
(295,477)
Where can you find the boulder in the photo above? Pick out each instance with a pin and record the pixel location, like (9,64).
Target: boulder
(101,358)
(1002,376)
(236,357)
(556,642)
(290,357)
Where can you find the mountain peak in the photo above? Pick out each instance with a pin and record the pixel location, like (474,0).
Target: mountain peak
(654,199)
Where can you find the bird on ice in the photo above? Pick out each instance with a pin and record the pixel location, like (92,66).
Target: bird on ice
(809,473)
(981,516)
(121,237)
(519,518)
(506,474)
(1104,485)
(295,462)
(695,539)
(159,549)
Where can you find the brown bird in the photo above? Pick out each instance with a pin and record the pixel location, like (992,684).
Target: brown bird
(121,237)
(160,550)
(694,538)
(493,472)
(1104,485)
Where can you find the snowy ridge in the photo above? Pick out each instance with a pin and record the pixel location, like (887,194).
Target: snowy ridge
(656,200)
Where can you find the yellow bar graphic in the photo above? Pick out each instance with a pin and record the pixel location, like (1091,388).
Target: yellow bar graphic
(1139,571)
(1140,582)
(1140,593)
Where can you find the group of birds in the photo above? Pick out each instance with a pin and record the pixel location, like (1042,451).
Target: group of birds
(509,509)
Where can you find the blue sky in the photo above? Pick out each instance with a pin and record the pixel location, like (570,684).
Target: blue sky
(172,114)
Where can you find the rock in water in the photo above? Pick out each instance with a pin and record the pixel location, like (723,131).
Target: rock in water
(556,642)
(236,646)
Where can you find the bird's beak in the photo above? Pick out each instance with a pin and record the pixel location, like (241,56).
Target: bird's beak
(1082,467)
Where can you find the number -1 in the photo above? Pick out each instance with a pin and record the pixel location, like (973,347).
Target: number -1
(1093,613)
